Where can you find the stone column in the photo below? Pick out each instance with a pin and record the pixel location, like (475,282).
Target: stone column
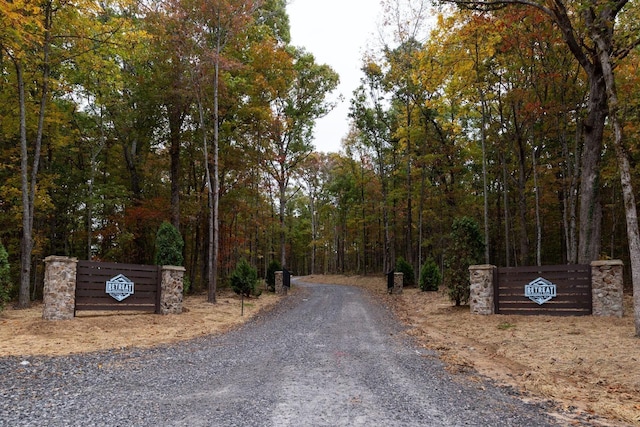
(59,294)
(481,298)
(398,283)
(280,289)
(171,289)
(607,288)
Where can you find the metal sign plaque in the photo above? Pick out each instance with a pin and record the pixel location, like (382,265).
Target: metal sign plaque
(119,287)
(540,290)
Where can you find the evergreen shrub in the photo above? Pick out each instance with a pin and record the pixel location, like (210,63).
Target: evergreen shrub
(169,246)
(466,248)
(430,276)
(244,279)
(271,275)
(402,266)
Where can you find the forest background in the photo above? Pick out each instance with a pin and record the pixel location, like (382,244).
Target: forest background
(118,115)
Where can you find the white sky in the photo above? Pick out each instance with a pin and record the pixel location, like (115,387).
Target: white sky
(336,32)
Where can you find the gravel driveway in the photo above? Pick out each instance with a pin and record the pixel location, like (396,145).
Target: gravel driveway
(327,356)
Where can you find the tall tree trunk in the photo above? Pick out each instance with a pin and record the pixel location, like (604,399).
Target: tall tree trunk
(93,165)
(27,238)
(633,232)
(537,201)
(483,138)
(387,249)
(29,189)
(423,181)
(507,223)
(522,199)
(314,231)
(363,217)
(282,187)
(211,271)
(590,222)
(215,220)
(410,257)
(569,200)
(176,119)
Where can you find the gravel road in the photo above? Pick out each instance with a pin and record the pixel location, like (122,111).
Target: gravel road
(326,356)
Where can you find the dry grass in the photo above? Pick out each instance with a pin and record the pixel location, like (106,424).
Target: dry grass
(23,332)
(591,363)
(585,362)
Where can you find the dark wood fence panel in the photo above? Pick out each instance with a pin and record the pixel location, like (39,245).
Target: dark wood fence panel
(91,279)
(573,290)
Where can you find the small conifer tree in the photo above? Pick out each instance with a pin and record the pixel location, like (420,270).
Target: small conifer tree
(244,279)
(169,246)
(430,276)
(467,248)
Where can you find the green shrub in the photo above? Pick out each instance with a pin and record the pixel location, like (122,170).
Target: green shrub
(5,278)
(271,275)
(169,245)
(244,279)
(467,248)
(402,266)
(430,276)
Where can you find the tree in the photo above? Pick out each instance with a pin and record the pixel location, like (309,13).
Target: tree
(274,266)
(216,24)
(430,276)
(600,34)
(466,248)
(294,110)
(244,279)
(169,245)
(18,53)
(404,267)
(373,122)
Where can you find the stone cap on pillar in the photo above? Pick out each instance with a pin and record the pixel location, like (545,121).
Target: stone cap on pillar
(482,267)
(60,258)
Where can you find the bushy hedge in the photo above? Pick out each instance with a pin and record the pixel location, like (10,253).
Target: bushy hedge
(430,276)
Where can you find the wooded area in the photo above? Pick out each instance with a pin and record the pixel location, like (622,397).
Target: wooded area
(118,115)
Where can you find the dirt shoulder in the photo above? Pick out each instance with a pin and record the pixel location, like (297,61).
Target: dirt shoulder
(587,364)
(24,333)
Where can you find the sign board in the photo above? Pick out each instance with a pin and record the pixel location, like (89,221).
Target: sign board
(540,290)
(120,287)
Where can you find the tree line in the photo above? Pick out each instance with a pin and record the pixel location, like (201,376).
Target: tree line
(119,115)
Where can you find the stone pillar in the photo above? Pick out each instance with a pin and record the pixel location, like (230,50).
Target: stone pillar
(481,298)
(59,293)
(171,289)
(280,289)
(607,288)
(398,283)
